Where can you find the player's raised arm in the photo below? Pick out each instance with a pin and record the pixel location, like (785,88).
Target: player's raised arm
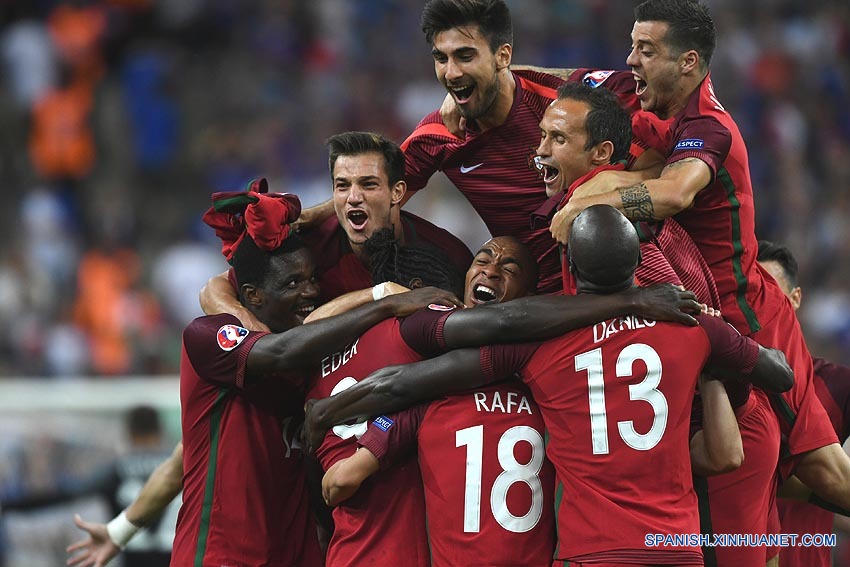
(394,388)
(305,345)
(542,317)
(648,200)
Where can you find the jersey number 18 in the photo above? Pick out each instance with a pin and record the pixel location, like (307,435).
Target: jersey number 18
(512,471)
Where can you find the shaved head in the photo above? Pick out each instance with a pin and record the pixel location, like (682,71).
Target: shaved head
(604,250)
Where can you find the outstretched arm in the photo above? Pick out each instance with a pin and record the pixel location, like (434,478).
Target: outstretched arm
(648,165)
(218,296)
(543,317)
(649,200)
(394,388)
(163,486)
(105,541)
(717,448)
(354,299)
(304,345)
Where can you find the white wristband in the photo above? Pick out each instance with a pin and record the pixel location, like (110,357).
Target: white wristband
(121,530)
(379,291)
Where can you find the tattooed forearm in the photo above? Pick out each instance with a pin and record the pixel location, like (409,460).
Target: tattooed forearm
(637,203)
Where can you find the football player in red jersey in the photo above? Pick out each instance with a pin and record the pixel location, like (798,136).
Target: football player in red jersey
(584,133)
(367,172)
(244,499)
(492,161)
(375,525)
(608,521)
(832,384)
(706,185)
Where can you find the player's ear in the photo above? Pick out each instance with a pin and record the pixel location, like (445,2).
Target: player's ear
(251,295)
(503,56)
(602,152)
(397,192)
(796,297)
(689,61)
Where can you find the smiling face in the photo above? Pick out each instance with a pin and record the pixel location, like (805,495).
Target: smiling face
(288,294)
(469,70)
(364,201)
(656,69)
(502,270)
(563,138)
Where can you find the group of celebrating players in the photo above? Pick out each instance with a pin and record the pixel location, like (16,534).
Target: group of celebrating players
(574,401)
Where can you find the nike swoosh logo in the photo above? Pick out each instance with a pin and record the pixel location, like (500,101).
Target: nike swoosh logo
(464,169)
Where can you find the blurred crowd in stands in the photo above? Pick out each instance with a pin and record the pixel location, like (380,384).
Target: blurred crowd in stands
(121,117)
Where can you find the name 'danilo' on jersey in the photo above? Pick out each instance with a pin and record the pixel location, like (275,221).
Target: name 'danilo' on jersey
(335,361)
(605,329)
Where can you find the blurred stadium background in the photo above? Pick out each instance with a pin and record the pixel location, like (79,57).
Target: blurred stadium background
(119,118)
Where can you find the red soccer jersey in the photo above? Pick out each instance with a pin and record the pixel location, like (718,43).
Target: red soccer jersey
(495,170)
(832,384)
(489,490)
(244,486)
(722,224)
(633,373)
(384,523)
(340,271)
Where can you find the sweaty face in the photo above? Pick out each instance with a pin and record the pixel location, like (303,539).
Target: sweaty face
(563,137)
(363,198)
(290,292)
(655,68)
(467,67)
(501,270)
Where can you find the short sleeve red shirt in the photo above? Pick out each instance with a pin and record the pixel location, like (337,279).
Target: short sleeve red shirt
(495,169)
(244,486)
(384,522)
(488,486)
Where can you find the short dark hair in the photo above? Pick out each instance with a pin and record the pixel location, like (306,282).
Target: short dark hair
(492,17)
(414,265)
(690,25)
(143,420)
(772,252)
(606,119)
(252,265)
(356,143)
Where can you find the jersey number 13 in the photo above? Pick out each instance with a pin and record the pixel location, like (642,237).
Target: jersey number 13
(646,390)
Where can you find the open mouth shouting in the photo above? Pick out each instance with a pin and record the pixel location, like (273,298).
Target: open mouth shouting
(551,177)
(461,93)
(482,294)
(357,218)
(640,86)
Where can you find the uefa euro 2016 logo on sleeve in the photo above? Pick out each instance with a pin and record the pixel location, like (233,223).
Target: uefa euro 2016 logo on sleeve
(229,336)
(689,144)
